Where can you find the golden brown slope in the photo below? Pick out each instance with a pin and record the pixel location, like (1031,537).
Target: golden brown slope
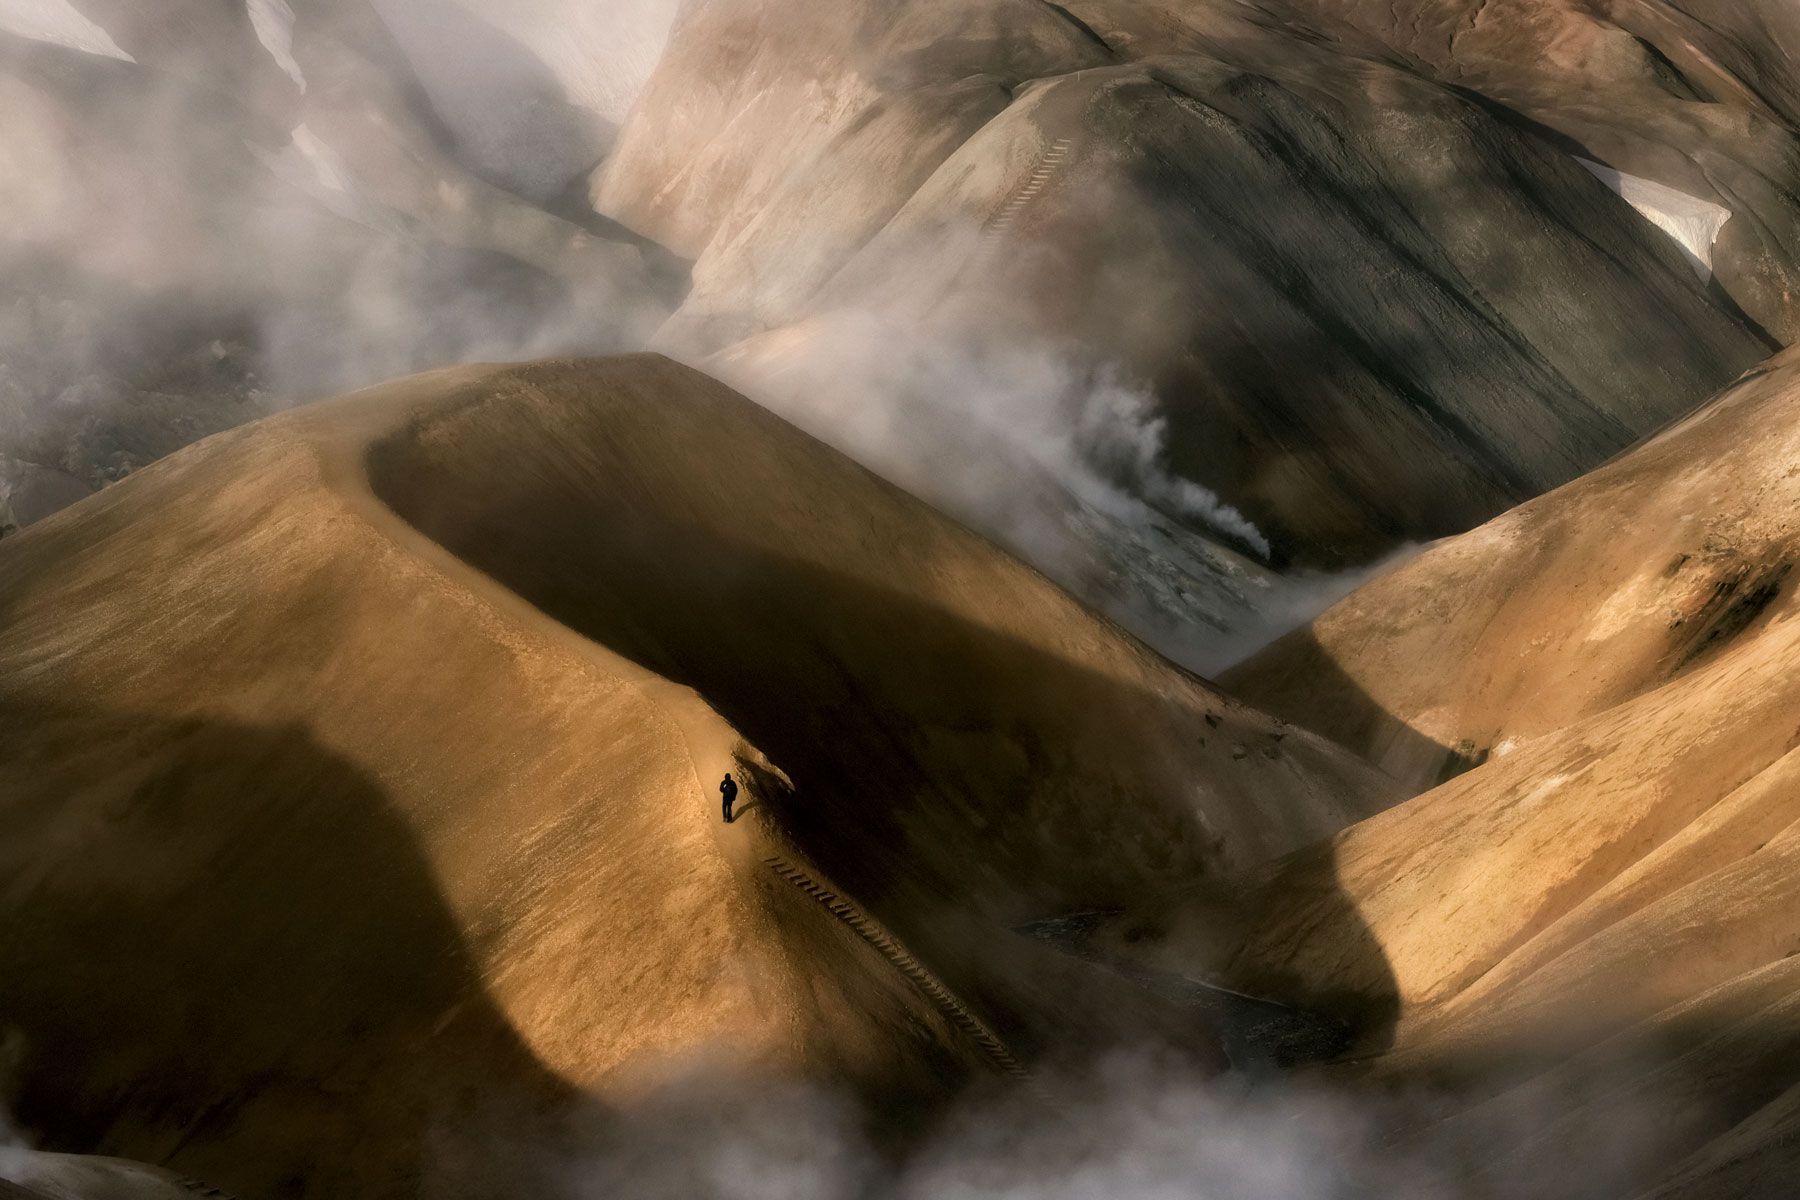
(1564,607)
(318,843)
(1621,882)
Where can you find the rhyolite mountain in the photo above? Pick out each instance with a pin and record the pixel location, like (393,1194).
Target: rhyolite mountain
(1365,286)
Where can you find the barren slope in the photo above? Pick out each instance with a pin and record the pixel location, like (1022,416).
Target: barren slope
(1609,588)
(1698,95)
(1614,890)
(357,780)
(1352,303)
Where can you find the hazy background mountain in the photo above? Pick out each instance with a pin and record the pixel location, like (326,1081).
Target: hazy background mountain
(1158,296)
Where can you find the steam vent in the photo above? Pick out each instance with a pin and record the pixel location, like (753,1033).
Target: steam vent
(899,600)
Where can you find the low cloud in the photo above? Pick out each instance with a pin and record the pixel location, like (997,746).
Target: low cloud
(1135,1125)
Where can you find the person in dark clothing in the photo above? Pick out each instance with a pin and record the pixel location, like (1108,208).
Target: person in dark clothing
(728,789)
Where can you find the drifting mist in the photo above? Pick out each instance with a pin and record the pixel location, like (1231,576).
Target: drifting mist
(304,203)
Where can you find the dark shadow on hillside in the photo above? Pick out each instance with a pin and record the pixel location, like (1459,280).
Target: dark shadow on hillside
(953,778)
(1297,679)
(229,956)
(1328,358)
(1355,988)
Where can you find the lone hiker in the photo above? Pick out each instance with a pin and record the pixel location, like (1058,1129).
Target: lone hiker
(728,789)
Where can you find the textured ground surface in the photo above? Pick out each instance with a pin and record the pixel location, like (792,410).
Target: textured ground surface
(359,768)
(1612,890)
(1369,306)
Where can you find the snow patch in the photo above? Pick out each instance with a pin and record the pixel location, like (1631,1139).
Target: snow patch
(273,21)
(57,22)
(323,162)
(1693,223)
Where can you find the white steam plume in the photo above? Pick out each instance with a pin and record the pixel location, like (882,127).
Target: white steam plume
(1136,1125)
(182,251)
(1061,461)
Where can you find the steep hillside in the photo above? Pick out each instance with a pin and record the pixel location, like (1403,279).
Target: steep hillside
(1354,303)
(1600,919)
(358,769)
(1193,276)
(1301,337)
(1638,575)
(1697,95)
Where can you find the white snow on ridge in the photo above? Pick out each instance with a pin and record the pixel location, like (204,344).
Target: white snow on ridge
(273,21)
(54,21)
(1693,223)
(326,169)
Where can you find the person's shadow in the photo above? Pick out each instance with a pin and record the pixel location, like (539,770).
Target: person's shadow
(738,810)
